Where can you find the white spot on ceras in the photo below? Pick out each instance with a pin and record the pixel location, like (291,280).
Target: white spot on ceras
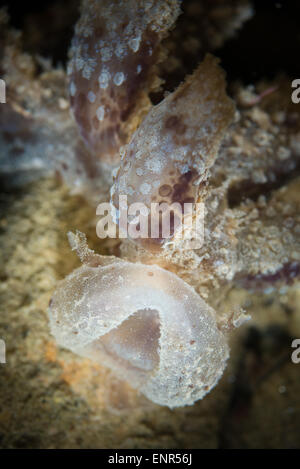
(73,89)
(79,63)
(103,79)
(145,188)
(120,50)
(91,97)
(69,68)
(154,165)
(119,78)
(106,54)
(138,69)
(100,113)
(134,43)
(89,68)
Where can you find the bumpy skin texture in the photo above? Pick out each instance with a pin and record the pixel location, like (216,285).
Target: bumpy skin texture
(146,324)
(168,157)
(114,51)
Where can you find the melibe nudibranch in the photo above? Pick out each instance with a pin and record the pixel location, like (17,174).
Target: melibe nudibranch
(143,322)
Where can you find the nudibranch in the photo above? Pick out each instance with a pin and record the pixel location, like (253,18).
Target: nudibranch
(169,155)
(115,49)
(145,323)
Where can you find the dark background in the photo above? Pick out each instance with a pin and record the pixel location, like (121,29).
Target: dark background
(267,44)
